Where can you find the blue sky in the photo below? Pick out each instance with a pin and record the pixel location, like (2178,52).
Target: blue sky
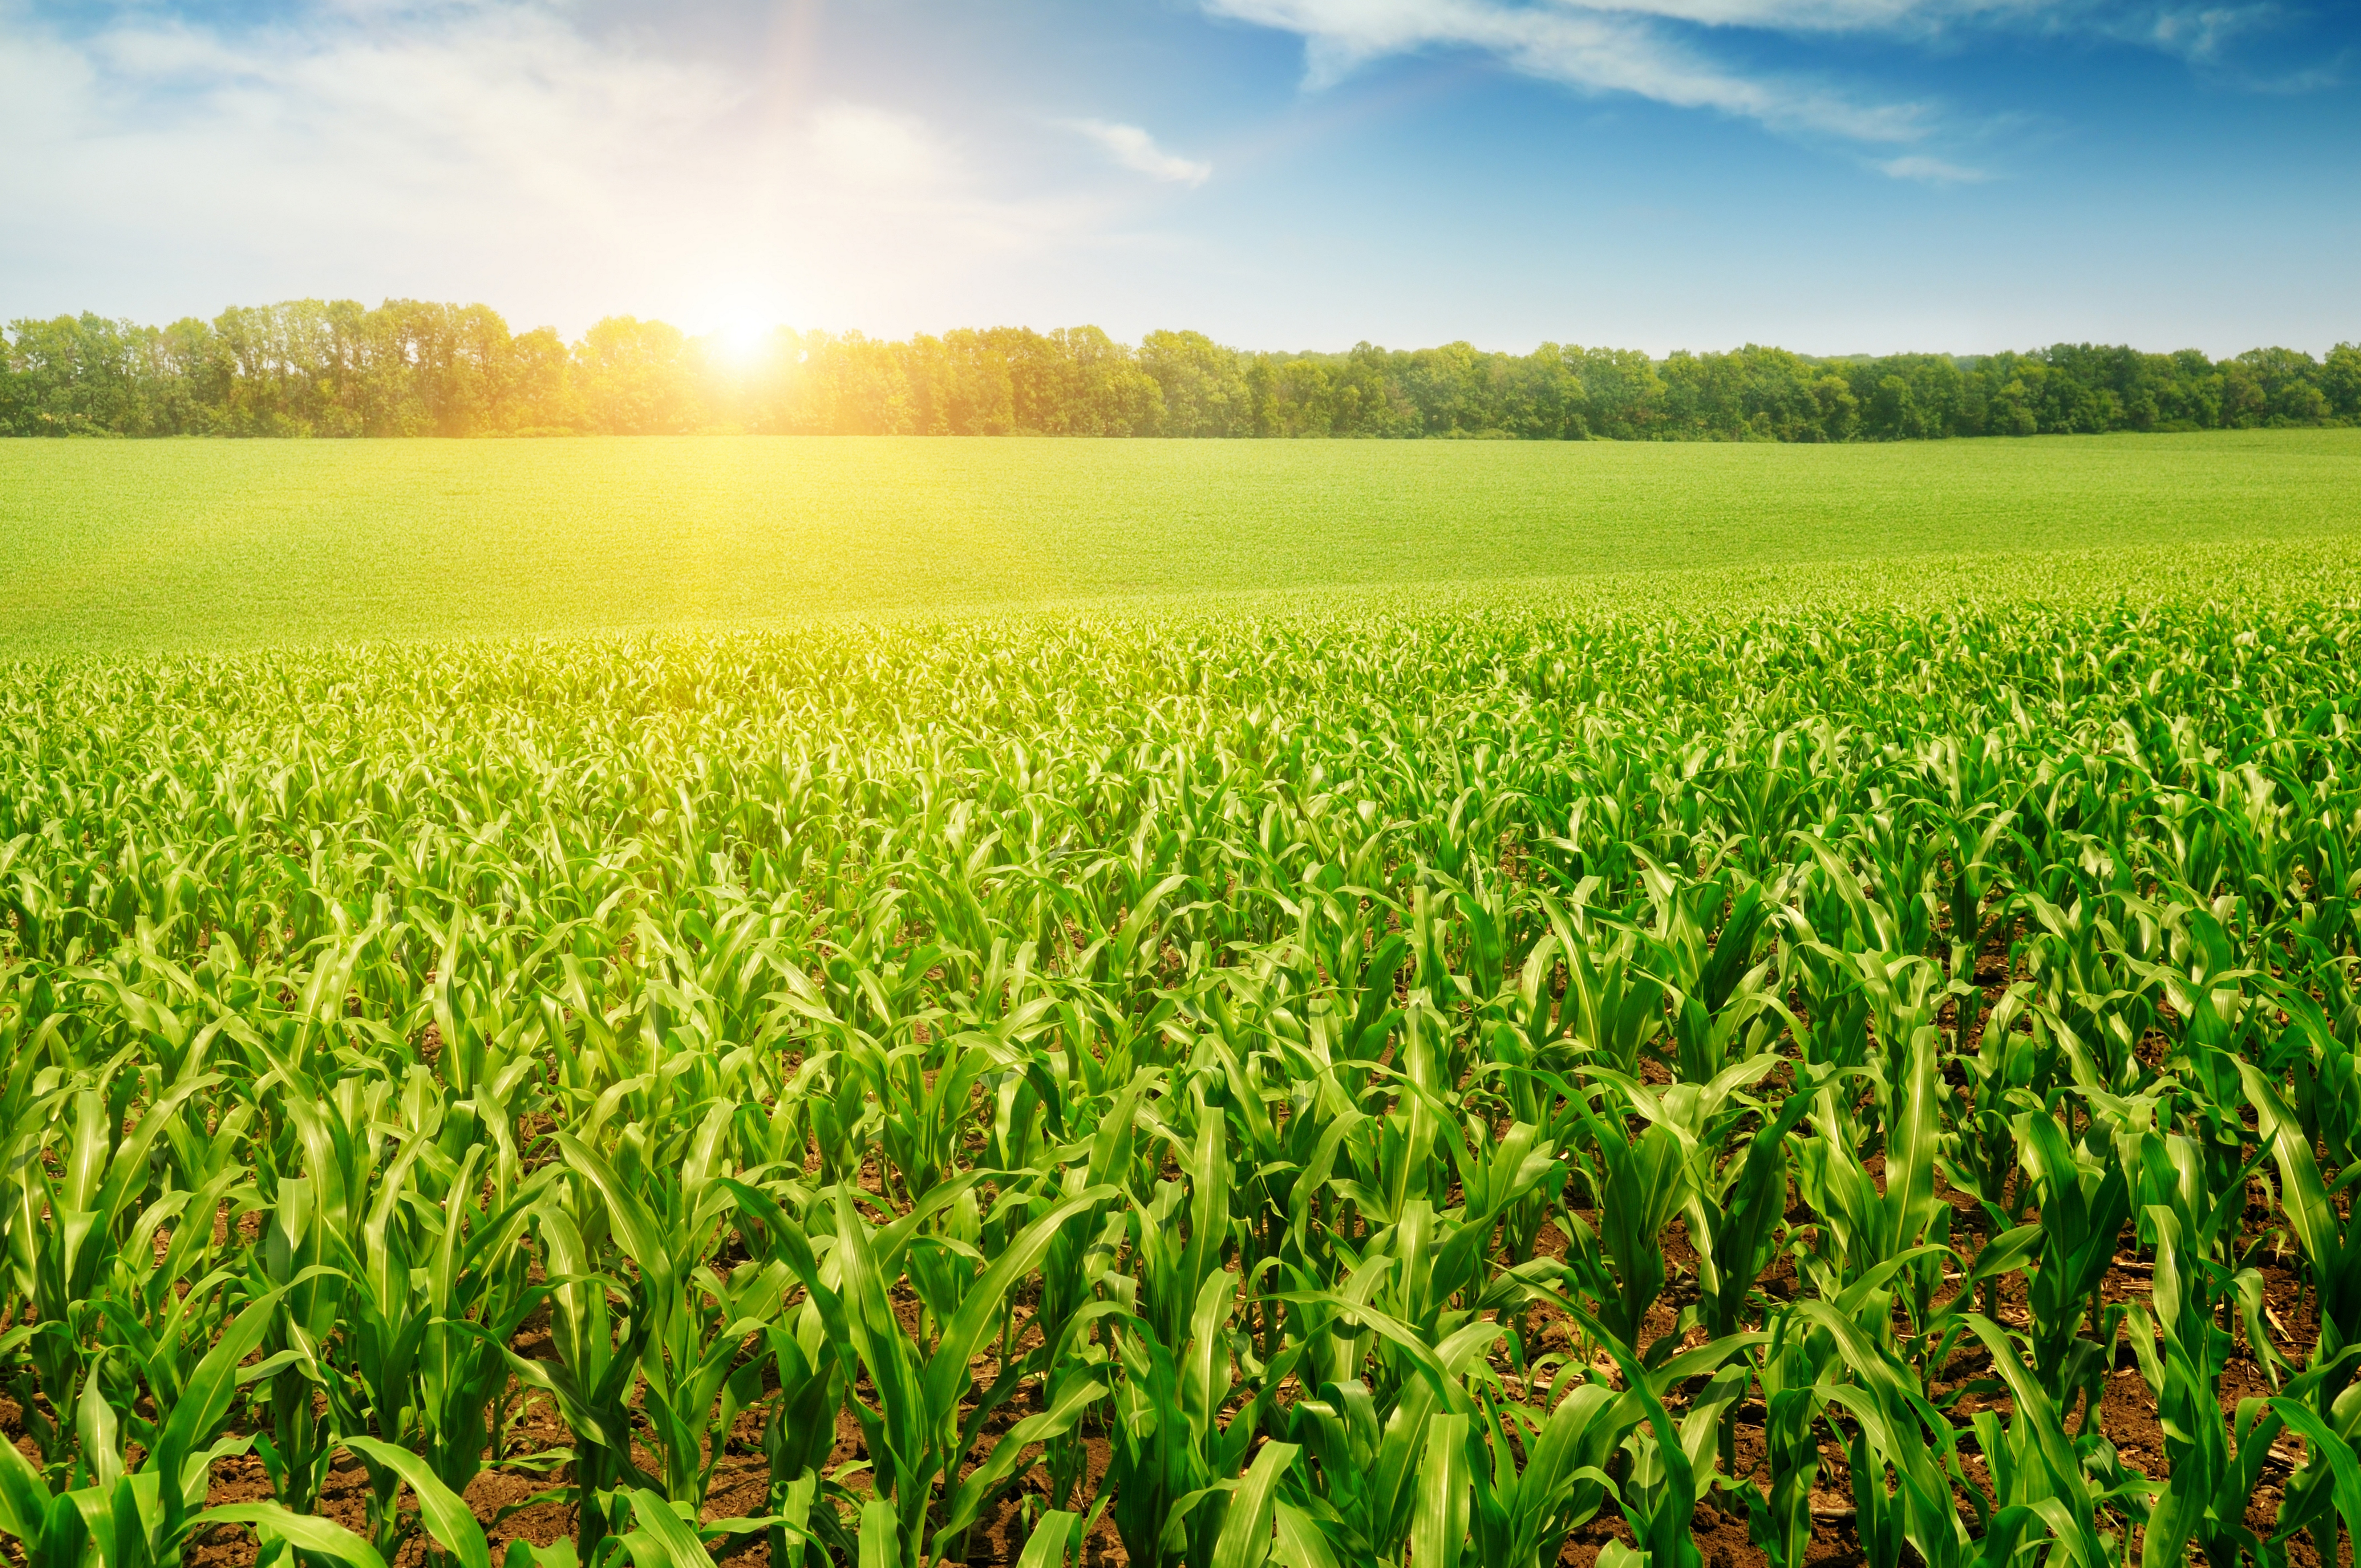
(1836,176)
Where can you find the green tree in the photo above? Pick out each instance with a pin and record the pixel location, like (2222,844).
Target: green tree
(2339,381)
(1200,384)
(417,367)
(2289,384)
(2013,410)
(1893,412)
(1621,392)
(1837,410)
(540,389)
(633,377)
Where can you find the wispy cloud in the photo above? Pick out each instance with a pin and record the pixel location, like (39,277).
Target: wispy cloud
(2199,34)
(1806,16)
(2329,73)
(1594,49)
(1666,50)
(2219,41)
(1931,171)
(1136,150)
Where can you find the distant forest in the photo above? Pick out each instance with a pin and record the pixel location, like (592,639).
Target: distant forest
(413,368)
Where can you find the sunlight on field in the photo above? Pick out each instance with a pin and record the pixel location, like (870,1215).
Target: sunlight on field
(106,544)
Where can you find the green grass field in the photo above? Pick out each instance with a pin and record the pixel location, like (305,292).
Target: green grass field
(185,544)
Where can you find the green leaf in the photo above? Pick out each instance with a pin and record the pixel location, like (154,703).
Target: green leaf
(2330,1450)
(206,1400)
(448,1519)
(24,1498)
(979,1313)
(880,1535)
(305,1532)
(1299,1542)
(1246,1537)
(1438,1528)
(653,1521)
(1007,1453)
(1054,1539)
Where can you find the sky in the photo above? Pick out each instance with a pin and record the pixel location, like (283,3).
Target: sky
(1832,176)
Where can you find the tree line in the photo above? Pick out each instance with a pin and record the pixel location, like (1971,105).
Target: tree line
(409,367)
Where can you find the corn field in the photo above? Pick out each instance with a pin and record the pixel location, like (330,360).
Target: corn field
(1471,1087)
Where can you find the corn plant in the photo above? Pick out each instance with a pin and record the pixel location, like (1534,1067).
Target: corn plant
(1404,1085)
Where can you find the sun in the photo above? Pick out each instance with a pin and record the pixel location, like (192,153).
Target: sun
(743,343)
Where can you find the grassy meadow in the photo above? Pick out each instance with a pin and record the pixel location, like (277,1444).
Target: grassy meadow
(194,544)
(1448,1006)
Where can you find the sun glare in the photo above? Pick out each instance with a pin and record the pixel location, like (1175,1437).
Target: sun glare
(743,343)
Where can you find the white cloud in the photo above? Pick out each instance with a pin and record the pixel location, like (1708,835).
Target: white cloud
(1817,16)
(494,149)
(878,149)
(2197,33)
(1138,151)
(1647,48)
(1932,171)
(1594,49)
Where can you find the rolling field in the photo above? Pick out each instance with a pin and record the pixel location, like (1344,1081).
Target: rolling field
(194,544)
(1477,1055)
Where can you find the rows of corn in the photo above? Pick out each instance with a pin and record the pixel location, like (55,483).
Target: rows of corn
(1416,1090)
